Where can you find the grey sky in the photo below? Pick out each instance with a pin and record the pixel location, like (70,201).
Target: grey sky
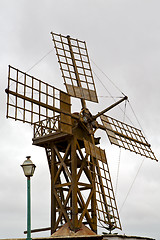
(123,39)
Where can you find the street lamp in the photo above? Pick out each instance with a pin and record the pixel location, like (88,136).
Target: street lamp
(28,168)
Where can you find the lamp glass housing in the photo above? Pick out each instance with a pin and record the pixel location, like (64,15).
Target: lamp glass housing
(28,167)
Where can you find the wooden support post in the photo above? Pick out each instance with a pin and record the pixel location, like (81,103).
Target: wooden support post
(74,185)
(93,201)
(53,199)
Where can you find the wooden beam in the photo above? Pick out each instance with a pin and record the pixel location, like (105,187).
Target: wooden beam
(62,160)
(53,199)
(85,207)
(39,230)
(60,212)
(49,107)
(74,185)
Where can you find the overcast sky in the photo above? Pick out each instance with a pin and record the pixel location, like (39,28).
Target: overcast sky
(123,39)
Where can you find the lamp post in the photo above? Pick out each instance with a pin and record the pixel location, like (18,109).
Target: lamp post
(28,168)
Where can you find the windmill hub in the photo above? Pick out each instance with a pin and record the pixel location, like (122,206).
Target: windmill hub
(88,120)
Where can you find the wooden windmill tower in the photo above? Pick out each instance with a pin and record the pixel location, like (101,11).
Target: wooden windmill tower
(81,187)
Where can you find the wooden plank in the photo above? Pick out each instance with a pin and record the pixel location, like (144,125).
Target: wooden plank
(66,121)
(95,151)
(88,94)
(57,136)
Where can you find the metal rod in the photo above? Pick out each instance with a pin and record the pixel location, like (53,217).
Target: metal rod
(28,209)
(109,108)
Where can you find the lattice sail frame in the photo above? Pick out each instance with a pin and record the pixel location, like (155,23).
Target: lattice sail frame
(75,66)
(107,211)
(126,136)
(33,101)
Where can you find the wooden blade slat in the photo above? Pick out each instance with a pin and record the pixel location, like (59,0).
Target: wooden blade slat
(33,101)
(107,211)
(126,136)
(75,66)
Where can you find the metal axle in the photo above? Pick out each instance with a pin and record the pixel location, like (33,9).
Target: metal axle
(109,108)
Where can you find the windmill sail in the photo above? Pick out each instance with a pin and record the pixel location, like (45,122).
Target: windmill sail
(107,212)
(75,66)
(126,136)
(33,101)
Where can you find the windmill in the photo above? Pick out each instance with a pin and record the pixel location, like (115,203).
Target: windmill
(81,186)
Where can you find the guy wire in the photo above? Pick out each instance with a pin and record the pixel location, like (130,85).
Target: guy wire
(119,158)
(27,72)
(116,97)
(120,149)
(108,91)
(132,185)
(108,77)
(39,61)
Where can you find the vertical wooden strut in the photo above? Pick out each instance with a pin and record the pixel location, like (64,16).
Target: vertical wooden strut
(74,185)
(93,200)
(76,72)
(53,199)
